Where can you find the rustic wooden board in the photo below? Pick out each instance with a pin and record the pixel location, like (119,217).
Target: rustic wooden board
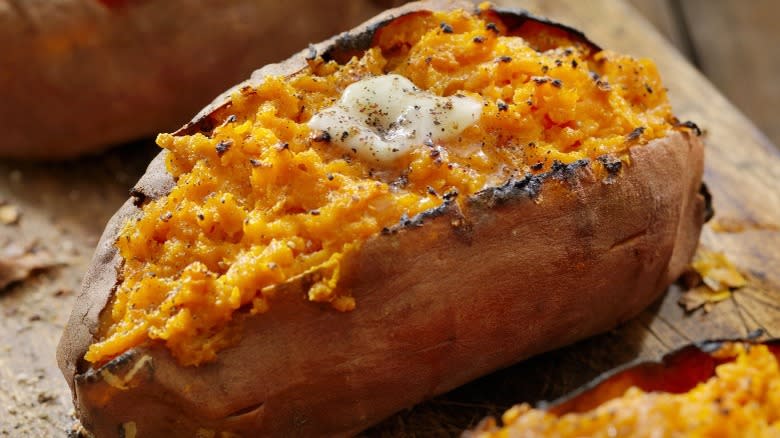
(64,207)
(733,43)
(666,17)
(736,47)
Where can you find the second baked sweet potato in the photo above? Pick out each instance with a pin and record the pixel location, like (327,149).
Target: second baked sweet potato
(712,388)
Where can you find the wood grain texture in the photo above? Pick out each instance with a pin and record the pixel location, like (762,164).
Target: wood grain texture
(736,44)
(663,15)
(65,206)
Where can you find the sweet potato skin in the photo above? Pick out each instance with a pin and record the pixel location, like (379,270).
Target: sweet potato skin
(524,268)
(80,75)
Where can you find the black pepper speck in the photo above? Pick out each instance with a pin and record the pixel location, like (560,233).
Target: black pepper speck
(636,133)
(322,136)
(223,146)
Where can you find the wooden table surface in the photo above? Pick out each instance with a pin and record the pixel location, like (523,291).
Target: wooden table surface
(734,43)
(64,207)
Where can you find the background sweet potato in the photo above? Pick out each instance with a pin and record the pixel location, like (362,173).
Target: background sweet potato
(79,75)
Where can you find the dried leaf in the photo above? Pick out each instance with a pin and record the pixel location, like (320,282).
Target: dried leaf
(717,271)
(17,264)
(9,214)
(712,279)
(702,296)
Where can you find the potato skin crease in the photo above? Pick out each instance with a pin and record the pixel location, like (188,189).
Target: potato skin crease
(524,268)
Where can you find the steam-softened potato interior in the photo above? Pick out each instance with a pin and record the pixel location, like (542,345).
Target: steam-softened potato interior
(741,400)
(300,173)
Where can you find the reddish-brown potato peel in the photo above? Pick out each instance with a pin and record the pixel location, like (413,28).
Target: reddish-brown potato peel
(525,268)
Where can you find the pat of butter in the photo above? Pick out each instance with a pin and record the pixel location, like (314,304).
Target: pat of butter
(383,118)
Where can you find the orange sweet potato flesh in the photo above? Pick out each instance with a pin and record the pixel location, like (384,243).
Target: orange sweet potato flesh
(77,76)
(520,269)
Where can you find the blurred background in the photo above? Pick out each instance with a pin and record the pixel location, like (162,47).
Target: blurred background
(734,43)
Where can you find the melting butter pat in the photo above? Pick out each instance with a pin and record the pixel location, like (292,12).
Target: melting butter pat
(383,118)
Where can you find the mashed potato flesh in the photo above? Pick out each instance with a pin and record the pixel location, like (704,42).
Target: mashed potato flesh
(264,198)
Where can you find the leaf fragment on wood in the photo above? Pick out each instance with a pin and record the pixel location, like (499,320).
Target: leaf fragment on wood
(18,263)
(711,279)
(702,296)
(731,225)
(9,214)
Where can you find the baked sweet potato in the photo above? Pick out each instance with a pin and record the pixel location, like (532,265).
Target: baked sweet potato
(712,388)
(272,275)
(79,75)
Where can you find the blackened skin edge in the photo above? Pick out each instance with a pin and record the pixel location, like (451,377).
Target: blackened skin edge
(611,163)
(528,187)
(512,18)
(690,125)
(515,17)
(448,206)
(93,375)
(667,364)
(139,197)
(709,210)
